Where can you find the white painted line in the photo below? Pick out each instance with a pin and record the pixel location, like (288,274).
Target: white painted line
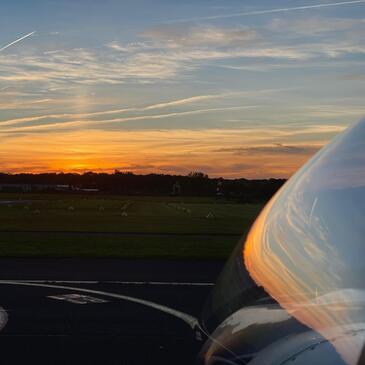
(114,282)
(187,318)
(78,298)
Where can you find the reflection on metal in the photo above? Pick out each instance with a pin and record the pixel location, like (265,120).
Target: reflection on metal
(307,247)
(293,292)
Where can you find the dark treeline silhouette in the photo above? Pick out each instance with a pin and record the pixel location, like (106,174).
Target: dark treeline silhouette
(127,183)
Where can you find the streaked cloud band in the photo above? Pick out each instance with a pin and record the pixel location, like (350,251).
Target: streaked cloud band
(268,11)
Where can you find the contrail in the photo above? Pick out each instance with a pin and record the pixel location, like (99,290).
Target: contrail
(20,39)
(269,11)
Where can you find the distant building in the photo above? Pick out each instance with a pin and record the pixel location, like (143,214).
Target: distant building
(33,187)
(15,187)
(87,190)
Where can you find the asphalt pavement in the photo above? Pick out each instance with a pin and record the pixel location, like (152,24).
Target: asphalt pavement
(102,311)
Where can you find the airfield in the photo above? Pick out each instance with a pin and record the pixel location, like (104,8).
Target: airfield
(108,279)
(125,227)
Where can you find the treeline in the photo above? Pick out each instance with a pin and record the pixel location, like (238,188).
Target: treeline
(126,183)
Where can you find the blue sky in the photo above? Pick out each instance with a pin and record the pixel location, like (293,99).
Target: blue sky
(233,88)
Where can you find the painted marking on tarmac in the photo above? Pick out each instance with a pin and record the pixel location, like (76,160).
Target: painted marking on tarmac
(113,282)
(3,318)
(78,298)
(187,318)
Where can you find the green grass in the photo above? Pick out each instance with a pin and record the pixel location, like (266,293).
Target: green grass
(156,215)
(53,245)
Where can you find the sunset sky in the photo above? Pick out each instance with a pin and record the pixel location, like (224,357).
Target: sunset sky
(231,88)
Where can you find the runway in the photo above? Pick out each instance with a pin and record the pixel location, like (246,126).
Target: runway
(101,311)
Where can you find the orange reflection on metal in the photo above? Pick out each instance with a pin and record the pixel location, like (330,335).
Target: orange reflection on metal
(307,246)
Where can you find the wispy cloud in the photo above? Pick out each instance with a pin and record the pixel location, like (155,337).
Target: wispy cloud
(162,105)
(28,105)
(192,99)
(199,98)
(277,148)
(268,11)
(314,25)
(67,124)
(177,36)
(353,77)
(333,111)
(17,40)
(170,53)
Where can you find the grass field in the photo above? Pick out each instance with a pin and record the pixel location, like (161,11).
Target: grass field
(115,226)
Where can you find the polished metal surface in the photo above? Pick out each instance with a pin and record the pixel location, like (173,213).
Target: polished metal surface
(305,252)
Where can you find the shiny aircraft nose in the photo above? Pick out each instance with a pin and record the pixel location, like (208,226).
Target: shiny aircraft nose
(295,282)
(307,247)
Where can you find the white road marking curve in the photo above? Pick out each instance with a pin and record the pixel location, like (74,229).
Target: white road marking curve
(187,318)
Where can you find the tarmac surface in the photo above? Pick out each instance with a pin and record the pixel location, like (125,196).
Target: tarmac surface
(131,233)
(102,311)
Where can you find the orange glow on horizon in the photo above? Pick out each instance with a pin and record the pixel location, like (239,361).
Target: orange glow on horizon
(216,152)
